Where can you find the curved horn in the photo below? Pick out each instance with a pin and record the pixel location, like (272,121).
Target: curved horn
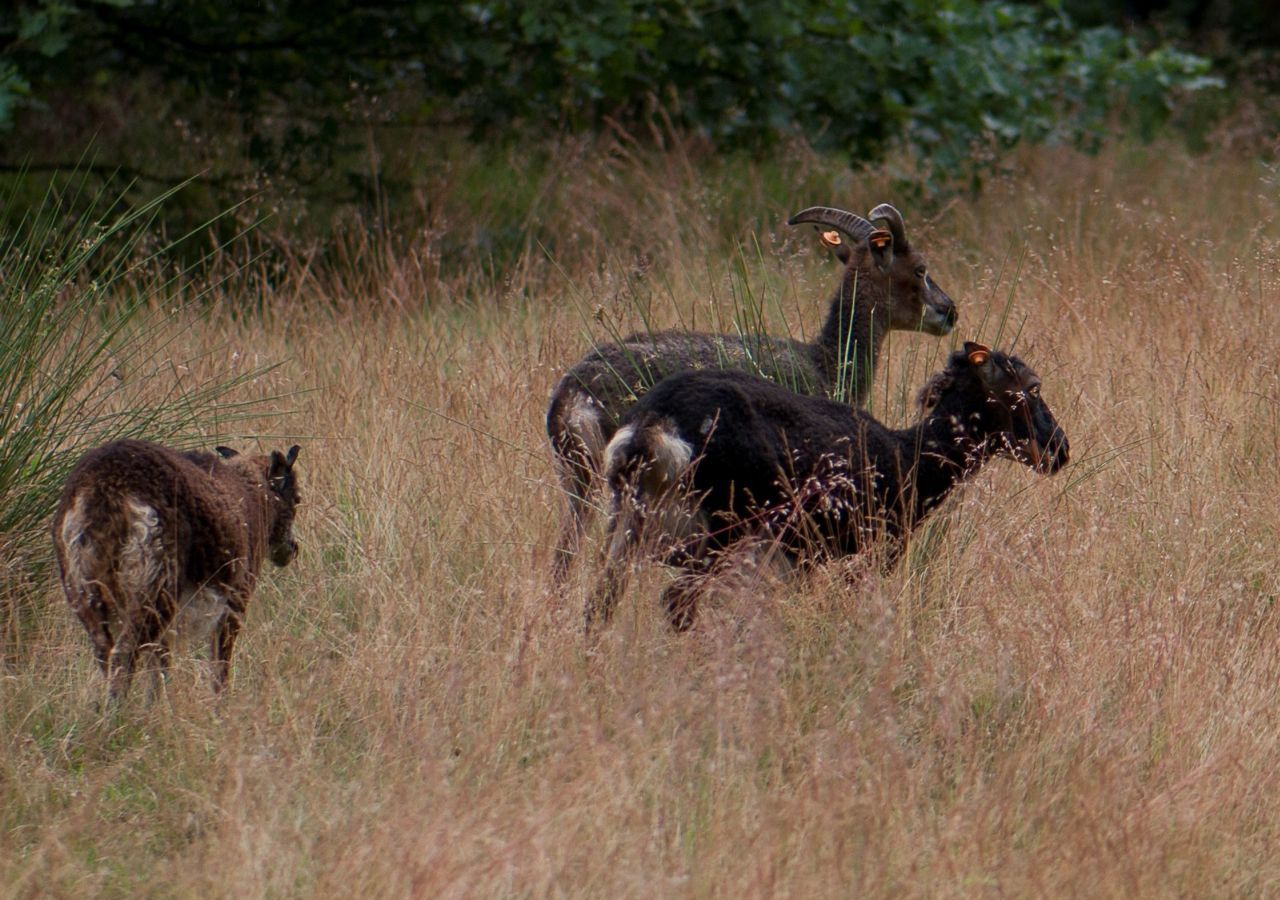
(855,227)
(894,218)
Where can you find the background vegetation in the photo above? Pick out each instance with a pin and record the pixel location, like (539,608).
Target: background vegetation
(950,82)
(431,211)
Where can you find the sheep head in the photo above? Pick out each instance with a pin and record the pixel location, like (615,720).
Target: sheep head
(1016,420)
(283,484)
(884,260)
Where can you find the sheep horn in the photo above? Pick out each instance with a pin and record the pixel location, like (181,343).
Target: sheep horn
(894,218)
(855,227)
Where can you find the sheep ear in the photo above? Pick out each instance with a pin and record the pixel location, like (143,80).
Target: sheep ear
(279,467)
(225,452)
(293,455)
(978,353)
(881,243)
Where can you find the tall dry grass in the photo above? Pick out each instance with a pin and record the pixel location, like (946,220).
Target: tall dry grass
(1070,689)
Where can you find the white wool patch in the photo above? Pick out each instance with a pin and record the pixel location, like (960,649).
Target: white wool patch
(669,516)
(200,611)
(78,552)
(142,556)
(584,421)
(671,454)
(620,439)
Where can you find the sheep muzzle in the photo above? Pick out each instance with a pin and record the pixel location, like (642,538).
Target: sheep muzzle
(283,553)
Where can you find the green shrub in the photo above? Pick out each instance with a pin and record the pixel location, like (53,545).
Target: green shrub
(953,81)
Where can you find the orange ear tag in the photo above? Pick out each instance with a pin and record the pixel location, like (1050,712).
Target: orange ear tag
(978,353)
(880,239)
(831,238)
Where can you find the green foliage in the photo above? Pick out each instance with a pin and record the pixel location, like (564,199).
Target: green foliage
(1229,31)
(953,81)
(80,345)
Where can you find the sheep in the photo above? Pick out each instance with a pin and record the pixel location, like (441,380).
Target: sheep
(152,541)
(885,286)
(709,459)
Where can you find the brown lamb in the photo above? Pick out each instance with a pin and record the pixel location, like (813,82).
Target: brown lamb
(151,541)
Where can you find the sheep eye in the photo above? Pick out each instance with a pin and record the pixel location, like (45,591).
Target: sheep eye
(921,272)
(1033,391)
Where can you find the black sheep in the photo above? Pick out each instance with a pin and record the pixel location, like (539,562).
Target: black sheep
(707,459)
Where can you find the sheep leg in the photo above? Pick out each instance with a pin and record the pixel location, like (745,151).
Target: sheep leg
(224,640)
(576,479)
(92,612)
(577,474)
(121,663)
(680,599)
(892,549)
(160,658)
(144,626)
(160,624)
(621,541)
(578,438)
(702,567)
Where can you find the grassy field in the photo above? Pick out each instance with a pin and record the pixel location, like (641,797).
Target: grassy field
(1072,687)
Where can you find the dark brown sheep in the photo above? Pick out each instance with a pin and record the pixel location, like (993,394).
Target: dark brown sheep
(152,540)
(885,286)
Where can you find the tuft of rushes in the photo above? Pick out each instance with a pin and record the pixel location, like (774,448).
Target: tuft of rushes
(91,312)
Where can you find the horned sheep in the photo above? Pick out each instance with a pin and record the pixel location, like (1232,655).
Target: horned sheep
(151,541)
(885,286)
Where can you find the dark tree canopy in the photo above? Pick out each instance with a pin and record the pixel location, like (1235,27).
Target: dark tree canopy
(946,79)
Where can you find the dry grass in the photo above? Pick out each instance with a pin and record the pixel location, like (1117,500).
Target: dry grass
(1069,690)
